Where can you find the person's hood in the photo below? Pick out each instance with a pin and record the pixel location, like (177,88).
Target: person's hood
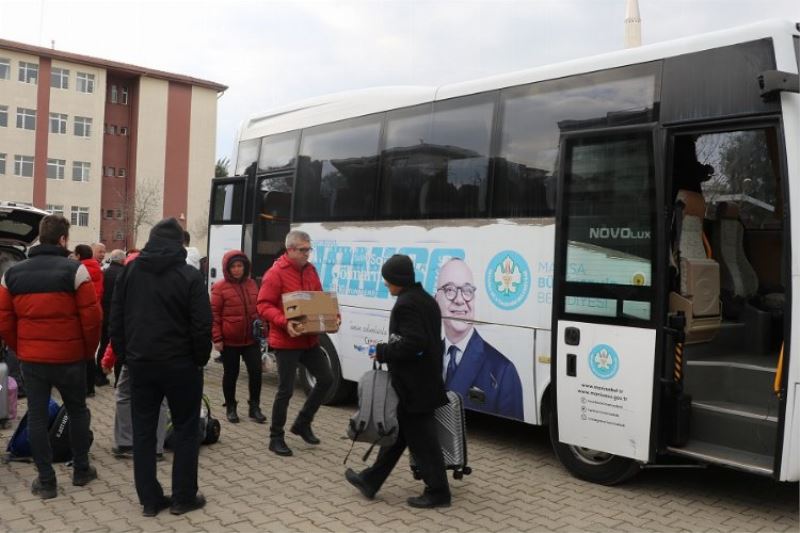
(92,266)
(161,254)
(48,249)
(228,258)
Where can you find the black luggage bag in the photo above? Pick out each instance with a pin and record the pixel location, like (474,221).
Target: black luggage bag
(452,431)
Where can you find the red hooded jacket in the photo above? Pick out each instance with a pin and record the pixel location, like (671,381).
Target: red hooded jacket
(281,278)
(96,274)
(233,304)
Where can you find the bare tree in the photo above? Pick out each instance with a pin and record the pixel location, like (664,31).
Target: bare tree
(143,210)
(221,168)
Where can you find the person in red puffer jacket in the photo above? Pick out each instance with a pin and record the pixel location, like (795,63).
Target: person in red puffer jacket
(85,255)
(292,272)
(233,306)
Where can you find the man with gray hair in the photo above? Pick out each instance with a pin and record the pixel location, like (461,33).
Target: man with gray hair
(292,272)
(116,261)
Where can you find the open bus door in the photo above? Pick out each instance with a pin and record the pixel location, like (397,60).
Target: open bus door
(606,303)
(272,215)
(225,228)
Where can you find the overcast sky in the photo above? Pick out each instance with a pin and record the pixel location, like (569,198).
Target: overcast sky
(271,53)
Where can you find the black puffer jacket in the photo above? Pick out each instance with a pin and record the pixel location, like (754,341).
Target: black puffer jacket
(414,351)
(160,308)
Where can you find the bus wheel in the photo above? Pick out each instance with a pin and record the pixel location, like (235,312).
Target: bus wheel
(592,465)
(341,389)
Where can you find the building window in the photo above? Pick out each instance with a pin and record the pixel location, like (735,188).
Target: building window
(123,130)
(84,82)
(5,68)
(110,171)
(28,72)
(2,163)
(113,95)
(111,129)
(83,126)
(26,118)
(118,235)
(118,214)
(121,173)
(4,116)
(55,169)
(123,97)
(56,209)
(79,216)
(109,213)
(80,170)
(59,78)
(58,123)
(23,166)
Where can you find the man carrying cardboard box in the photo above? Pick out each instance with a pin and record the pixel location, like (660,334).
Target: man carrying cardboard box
(292,343)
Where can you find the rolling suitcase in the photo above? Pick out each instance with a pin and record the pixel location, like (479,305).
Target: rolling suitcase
(452,431)
(5,415)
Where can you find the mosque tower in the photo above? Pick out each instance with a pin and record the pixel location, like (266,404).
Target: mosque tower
(633,25)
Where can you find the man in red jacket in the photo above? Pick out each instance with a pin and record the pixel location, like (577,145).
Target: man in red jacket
(49,314)
(292,272)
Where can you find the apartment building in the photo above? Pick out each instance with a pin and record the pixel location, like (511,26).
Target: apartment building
(113,147)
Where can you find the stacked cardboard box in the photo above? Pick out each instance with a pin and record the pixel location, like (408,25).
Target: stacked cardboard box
(317,311)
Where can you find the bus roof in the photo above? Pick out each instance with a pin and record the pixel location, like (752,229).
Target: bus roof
(339,106)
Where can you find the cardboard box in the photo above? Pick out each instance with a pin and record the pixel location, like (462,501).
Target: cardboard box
(316,310)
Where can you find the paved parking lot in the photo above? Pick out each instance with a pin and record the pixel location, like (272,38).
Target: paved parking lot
(516,485)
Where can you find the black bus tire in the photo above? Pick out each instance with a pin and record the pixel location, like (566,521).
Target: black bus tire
(591,465)
(341,389)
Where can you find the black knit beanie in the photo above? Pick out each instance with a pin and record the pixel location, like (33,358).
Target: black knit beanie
(168,229)
(398,270)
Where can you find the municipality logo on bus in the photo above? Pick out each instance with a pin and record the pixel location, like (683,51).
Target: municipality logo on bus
(604,361)
(508,280)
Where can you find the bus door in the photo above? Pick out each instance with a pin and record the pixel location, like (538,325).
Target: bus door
(605,301)
(225,230)
(272,214)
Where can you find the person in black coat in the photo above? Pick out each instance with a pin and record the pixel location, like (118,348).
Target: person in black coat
(161,329)
(414,358)
(110,274)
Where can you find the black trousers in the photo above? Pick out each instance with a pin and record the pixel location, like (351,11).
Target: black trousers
(181,381)
(314,360)
(230,365)
(101,350)
(69,379)
(418,432)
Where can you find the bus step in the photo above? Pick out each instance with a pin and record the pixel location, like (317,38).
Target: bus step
(722,455)
(736,426)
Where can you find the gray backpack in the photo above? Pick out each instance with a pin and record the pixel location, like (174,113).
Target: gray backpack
(375,421)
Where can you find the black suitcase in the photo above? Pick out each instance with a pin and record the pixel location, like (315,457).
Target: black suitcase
(452,432)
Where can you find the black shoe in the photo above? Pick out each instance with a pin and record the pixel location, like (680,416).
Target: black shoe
(83,477)
(358,482)
(101,381)
(278,445)
(153,510)
(45,491)
(304,431)
(429,501)
(179,508)
(230,411)
(122,452)
(256,414)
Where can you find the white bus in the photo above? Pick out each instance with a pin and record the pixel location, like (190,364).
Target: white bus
(609,241)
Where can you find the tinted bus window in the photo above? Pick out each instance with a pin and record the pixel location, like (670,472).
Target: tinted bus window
(227,203)
(248,155)
(278,151)
(462,130)
(337,171)
(533,117)
(408,161)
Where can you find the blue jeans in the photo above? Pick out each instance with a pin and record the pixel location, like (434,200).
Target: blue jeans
(70,381)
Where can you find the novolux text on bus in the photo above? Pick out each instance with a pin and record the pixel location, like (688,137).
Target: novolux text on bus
(609,241)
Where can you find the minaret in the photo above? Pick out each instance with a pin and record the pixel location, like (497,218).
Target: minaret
(633,25)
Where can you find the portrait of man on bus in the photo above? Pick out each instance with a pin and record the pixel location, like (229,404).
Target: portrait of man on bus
(485,378)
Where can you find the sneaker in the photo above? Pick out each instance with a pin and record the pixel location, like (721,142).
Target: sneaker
(358,482)
(45,491)
(83,477)
(179,508)
(122,452)
(153,510)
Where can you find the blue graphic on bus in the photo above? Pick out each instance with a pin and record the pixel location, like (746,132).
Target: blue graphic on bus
(356,270)
(508,280)
(604,361)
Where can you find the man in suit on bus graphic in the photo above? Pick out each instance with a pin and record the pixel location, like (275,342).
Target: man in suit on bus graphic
(470,364)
